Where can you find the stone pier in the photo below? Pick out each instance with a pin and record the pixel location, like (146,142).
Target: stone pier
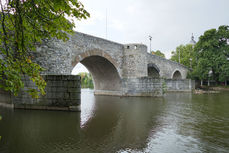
(63,92)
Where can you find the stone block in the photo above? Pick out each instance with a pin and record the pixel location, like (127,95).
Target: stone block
(78,90)
(75,96)
(57,95)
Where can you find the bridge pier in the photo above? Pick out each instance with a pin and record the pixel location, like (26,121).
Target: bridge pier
(142,86)
(62,93)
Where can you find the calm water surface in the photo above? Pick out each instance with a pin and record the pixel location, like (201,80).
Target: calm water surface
(177,123)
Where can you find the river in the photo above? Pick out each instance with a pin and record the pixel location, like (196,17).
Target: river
(176,123)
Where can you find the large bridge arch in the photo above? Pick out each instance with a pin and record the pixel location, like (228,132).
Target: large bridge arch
(153,70)
(95,52)
(104,70)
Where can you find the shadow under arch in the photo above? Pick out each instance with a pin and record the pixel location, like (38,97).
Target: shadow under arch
(104,71)
(176,75)
(153,70)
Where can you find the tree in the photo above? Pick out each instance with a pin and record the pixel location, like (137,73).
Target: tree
(86,80)
(200,72)
(158,53)
(25,23)
(212,52)
(224,75)
(184,54)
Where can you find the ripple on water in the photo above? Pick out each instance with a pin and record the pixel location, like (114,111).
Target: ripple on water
(179,122)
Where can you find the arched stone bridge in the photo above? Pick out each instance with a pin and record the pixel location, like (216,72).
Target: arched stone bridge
(117,69)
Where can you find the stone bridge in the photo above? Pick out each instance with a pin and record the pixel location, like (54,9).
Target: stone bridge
(117,69)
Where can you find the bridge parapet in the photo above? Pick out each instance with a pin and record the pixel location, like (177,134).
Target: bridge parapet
(167,67)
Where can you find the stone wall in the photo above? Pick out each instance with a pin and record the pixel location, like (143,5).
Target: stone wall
(62,93)
(108,62)
(143,86)
(130,60)
(59,57)
(84,45)
(179,85)
(5,98)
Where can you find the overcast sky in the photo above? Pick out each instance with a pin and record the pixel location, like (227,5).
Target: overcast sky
(169,22)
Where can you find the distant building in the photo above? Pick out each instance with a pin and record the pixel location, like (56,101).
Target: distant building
(192,42)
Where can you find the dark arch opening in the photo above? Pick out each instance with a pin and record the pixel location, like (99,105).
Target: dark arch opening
(104,73)
(177,75)
(153,71)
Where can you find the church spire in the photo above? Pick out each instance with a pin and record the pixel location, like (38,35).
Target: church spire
(193,42)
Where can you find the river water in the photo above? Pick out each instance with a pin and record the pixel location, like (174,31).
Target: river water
(177,123)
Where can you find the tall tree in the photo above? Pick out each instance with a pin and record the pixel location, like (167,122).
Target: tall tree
(212,52)
(184,54)
(158,53)
(23,24)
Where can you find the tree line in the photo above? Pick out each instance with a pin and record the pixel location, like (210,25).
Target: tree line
(208,59)
(86,80)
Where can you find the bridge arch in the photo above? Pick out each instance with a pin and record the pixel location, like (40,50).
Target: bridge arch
(176,75)
(104,71)
(153,70)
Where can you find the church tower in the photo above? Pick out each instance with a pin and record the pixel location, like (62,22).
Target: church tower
(192,42)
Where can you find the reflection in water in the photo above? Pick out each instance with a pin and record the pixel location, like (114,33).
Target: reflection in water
(87,106)
(120,122)
(179,122)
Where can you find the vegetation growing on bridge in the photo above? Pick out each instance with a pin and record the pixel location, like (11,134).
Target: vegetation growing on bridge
(23,24)
(158,53)
(209,58)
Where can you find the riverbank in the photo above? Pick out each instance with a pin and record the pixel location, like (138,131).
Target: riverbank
(211,89)
(220,88)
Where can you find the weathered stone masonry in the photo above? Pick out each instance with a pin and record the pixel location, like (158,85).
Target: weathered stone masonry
(110,63)
(179,85)
(117,69)
(62,93)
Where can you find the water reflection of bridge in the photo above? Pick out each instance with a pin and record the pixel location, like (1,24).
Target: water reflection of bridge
(113,124)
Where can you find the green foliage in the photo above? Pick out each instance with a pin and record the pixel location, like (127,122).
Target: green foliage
(186,55)
(164,87)
(86,80)
(23,24)
(211,52)
(224,75)
(209,57)
(158,53)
